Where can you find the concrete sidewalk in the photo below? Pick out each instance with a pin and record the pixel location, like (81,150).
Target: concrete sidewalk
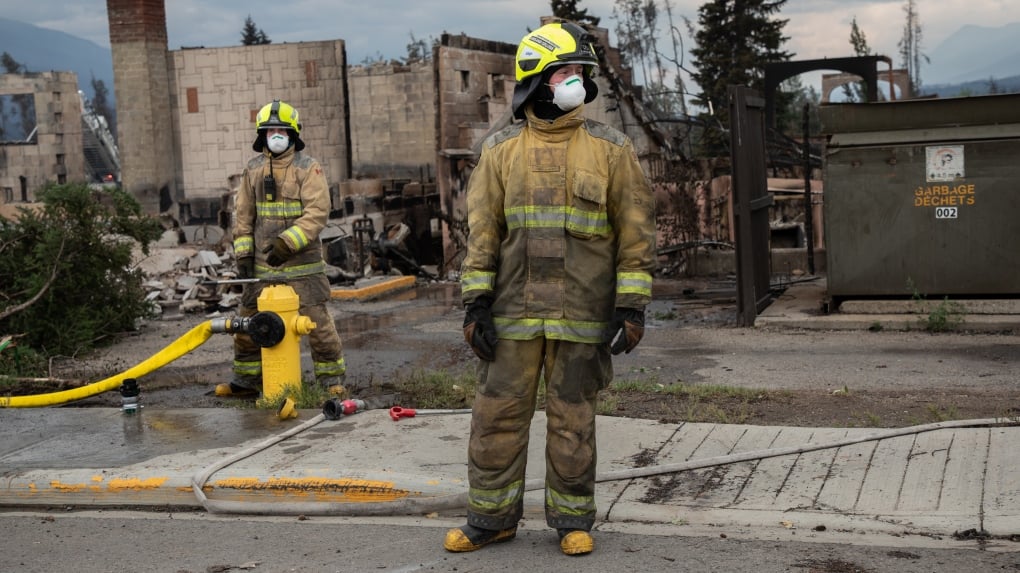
(932,484)
(802,305)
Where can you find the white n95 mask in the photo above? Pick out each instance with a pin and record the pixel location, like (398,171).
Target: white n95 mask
(278,143)
(569,93)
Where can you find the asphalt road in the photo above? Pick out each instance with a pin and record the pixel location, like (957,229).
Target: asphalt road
(119,541)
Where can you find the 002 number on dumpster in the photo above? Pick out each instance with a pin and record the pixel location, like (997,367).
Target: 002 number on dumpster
(945,212)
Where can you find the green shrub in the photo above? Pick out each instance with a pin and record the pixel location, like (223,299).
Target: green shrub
(66,281)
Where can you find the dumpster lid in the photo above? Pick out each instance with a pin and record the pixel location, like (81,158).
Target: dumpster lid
(934,135)
(920,114)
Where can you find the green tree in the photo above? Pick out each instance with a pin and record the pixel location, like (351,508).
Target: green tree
(10,65)
(568,10)
(734,41)
(251,35)
(66,277)
(790,119)
(857,91)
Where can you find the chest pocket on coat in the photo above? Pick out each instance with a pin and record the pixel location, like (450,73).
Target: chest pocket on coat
(586,212)
(290,190)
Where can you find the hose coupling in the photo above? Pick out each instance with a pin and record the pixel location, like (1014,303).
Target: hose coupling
(265,328)
(335,408)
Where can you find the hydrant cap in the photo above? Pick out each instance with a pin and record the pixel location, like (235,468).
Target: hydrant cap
(279,298)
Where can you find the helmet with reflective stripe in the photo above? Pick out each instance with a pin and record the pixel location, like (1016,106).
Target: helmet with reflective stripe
(546,48)
(558,43)
(277,114)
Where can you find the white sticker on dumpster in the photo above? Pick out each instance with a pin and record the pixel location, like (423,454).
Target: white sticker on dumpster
(943,162)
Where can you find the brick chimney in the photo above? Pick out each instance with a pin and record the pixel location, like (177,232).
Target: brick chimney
(141,81)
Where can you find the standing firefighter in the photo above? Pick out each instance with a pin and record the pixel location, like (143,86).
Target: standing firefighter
(281,207)
(557,275)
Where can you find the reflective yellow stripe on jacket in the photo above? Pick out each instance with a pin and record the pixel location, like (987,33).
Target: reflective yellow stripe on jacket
(638,283)
(278,209)
(591,332)
(481,281)
(557,217)
(289,272)
(244,246)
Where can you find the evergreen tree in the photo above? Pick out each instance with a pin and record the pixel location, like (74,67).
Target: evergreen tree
(790,120)
(251,35)
(10,65)
(734,41)
(857,91)
(568,10)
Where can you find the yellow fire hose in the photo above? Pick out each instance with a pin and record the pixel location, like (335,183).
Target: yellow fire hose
(183,345)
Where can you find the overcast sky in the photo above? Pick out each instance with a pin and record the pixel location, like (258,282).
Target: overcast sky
(371,28)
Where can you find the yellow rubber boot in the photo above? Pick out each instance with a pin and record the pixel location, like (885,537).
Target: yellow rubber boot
(334,386)
(231,390)
(470,538)
(576,542)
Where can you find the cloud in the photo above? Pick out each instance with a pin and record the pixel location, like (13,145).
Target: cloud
(371,28)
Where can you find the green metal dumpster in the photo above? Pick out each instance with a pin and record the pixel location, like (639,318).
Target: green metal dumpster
(922,198)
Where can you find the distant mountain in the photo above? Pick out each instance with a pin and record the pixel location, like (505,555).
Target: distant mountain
(1010,85)
(44,50)
(974,53)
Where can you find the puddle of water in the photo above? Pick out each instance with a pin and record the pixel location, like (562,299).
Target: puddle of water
(430,301)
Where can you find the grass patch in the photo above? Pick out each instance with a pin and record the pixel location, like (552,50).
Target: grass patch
(418,389)
(689,391)
(874,420)
(937,413)
(691,402)
(668,315)
(436,389)
(944,316)
(309,395)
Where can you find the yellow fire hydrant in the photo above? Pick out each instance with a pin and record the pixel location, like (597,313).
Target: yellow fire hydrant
(281,363)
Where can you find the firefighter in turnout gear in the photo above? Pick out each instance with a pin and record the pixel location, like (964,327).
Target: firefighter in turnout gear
(281,206)
(558,271)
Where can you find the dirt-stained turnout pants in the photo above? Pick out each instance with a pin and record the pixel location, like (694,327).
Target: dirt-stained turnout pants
(500,422)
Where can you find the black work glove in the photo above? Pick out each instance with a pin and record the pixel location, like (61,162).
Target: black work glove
(246,267)
(628,327)
(479,330)
(279,252)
